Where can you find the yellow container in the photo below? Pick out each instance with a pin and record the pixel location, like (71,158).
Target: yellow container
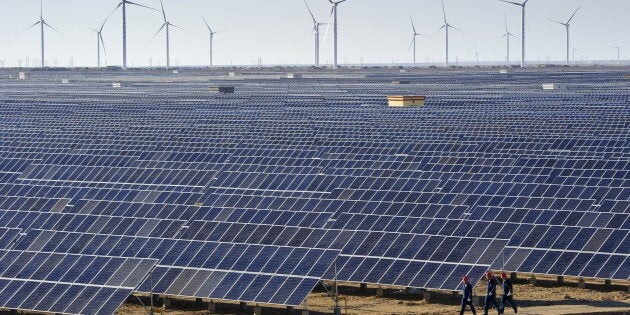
(406,100)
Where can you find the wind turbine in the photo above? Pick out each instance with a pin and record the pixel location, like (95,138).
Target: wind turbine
(574,51)
(41,23)
(445,27)
(477,54)
(413,40)
(522,5)
(618,53)
(124,4)
(211,39)
(507,37)
(567,25)
(99,41)
(166,24)
(316,26)
(334,13)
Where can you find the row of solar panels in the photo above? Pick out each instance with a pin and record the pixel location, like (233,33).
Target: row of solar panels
(66,283)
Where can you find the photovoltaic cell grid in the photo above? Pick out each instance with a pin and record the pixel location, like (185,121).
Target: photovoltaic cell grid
(542,176)
(8,236)
(586,251)
(219,270)
(66,283)
(371,256)
(26,220)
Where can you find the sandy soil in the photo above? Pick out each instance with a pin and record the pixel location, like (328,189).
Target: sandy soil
(547,297)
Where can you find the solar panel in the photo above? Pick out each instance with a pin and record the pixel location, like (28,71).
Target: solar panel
(361,251)
(67,283)
(179,259)
(91,223)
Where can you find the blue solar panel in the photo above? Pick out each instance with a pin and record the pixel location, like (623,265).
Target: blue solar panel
(180,260)
(77,283)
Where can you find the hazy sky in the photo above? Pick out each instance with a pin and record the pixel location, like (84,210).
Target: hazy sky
(279,31)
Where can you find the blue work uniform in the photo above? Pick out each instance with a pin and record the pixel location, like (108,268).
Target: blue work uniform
(491,297)
(508,295)
(467,298)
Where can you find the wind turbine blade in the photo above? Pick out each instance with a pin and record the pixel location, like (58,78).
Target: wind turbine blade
(175,26)
(556,22)
(444,12)
(28,28)
(208,26)
(163,13)
(524,3)
(158,32)
(103,25)
(571,18)
(332,10)
(510,2)
(100,36)
(144,6)
(457,29)
(110,15)
(439,29)
(411,44)
(412,26)
(52,28)
(310,12)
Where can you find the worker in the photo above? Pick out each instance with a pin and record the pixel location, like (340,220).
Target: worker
(508,293)
(467,298)
(491,293)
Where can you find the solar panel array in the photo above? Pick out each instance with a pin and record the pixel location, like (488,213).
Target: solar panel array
(258,195)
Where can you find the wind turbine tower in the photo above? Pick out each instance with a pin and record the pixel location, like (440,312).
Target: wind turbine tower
(567,25)
(41,23)
(124,4)
(166,25)
(522,5)
(445,27)
(334,12)
(316,26)
(413,40)
(211,32)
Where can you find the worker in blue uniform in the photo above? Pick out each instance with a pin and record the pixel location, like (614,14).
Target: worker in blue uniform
(467,297)
(491,293)
(508,293)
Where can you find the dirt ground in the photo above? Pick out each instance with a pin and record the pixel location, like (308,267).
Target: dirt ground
(546,297)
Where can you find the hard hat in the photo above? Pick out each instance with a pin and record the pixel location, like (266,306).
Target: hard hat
(489,274)
(503,275)
(465,279)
